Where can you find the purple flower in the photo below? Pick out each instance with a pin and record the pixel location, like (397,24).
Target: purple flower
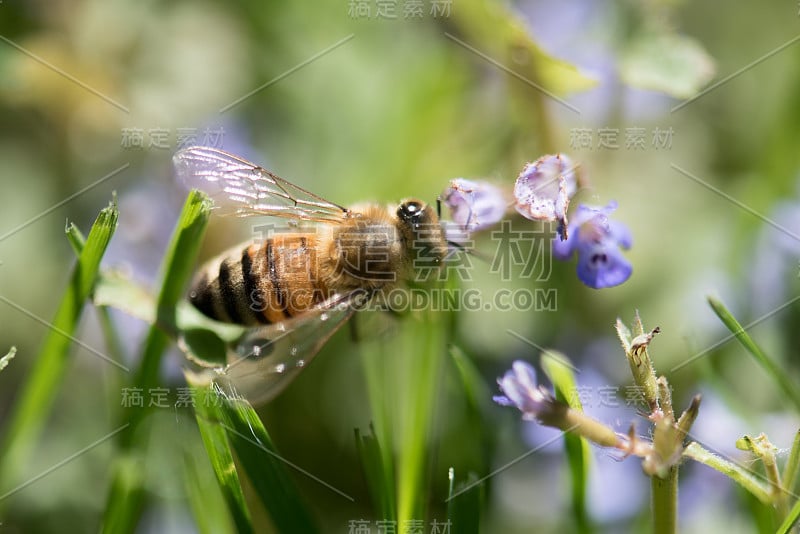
(597,241)
(543,190)
(474,205)
(520,390)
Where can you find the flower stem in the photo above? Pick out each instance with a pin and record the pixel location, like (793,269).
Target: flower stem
(792,465)
(579,423)
(737,473)
(665,502)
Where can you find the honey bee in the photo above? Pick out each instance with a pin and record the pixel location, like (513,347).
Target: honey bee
(302,285)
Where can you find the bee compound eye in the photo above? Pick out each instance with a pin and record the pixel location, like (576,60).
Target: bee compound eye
(410,210)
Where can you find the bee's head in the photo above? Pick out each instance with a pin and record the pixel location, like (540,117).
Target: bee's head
(415,213)
(420,228)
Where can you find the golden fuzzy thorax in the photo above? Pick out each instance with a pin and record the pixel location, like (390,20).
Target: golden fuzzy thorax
(367,251)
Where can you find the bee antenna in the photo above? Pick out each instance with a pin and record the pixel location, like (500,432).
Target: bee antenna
(470,251)
(456,244)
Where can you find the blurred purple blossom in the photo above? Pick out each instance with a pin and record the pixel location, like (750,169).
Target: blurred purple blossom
(543,190)
(474,205)
(776,258)
(597,241)
(520,389)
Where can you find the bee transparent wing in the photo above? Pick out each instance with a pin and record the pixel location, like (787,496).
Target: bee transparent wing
(241,188)
(267,359)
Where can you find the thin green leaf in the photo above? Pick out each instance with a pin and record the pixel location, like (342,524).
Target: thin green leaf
(624,335)
(791,519)
(127,496)
(116,290)
(205,500)
(179,262)
(265,467)
(75,237)
(178,265)
(402,380)
(792,465)
(36,396)
(474,386)
(113,341)
(380,483)
(464,504)
(579,461)
(375,361)
(421,366)
(559,370)
(772,368)
(221,457)
(479,414)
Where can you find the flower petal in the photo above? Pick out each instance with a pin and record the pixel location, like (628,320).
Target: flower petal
(525,373)
(474,205)
(544,187)
(510,386)
(502,400)
(602,265)
(620,233)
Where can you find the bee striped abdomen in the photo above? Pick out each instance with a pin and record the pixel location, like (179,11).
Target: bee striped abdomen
(260,284)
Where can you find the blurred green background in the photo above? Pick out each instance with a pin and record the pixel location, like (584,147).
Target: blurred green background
(358,106)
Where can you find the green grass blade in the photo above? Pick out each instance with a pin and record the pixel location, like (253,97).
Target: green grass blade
(221,457)
(791,519)
(560,372)
(464,505)
(265,467)
(402,377)
(126,497)
(376,362)
(421,366)
(770,366)
(117,291)
(77,240)
(792,465)
(39,390)
(205,500)
(178,264)
(75,237)
(475,390)
(380,483)
(479,417)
